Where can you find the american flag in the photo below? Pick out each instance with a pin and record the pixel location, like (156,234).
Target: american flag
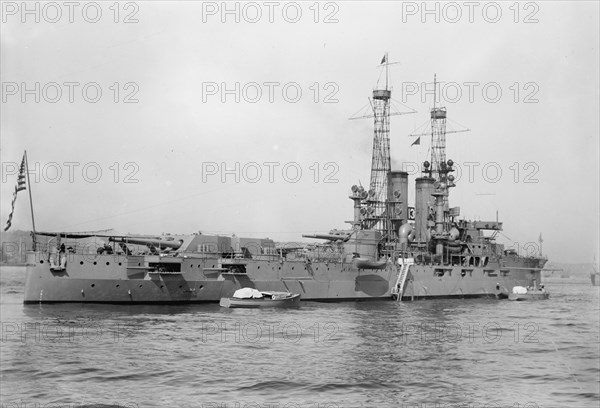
(21,185)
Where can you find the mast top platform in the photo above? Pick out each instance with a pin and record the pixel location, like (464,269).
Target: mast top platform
(383,94)
(438,113)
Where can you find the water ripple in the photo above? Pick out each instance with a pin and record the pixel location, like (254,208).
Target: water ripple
(380,353)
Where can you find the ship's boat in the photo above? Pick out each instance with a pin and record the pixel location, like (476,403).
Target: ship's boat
(365,263)
(522,293)
(389,249)
(249,298)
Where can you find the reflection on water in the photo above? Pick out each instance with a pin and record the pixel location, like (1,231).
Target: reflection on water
(382,353)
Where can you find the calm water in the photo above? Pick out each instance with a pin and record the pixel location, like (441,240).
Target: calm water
(422,354)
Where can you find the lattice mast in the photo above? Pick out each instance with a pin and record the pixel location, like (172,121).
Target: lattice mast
(438,137)
(440,170)
(374,207)
(381,162)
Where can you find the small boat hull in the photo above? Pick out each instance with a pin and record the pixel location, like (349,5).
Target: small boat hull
(280,302)
(364,263)
(529,296)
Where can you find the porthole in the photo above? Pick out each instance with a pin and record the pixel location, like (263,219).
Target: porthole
(108,263)
(41,261)
(95,263)
(117,285)
(140,286)
(80,262)
(92,285)
(120,264)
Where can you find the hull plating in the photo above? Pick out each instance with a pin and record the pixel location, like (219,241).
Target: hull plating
(108,280)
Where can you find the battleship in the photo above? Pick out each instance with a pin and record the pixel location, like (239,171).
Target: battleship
(389,250)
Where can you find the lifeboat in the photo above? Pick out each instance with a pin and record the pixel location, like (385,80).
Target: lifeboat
(366,263)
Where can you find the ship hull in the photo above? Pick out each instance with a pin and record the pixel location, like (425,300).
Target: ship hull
(130,280)
(427,281)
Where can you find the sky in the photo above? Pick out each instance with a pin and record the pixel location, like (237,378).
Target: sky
(179,117)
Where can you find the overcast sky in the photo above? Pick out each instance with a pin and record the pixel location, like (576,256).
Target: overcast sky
(523,79)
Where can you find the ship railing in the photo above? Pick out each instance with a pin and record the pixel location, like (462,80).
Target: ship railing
(313,256)
(71,249)
(67,247)
(98,245)
(92,251)
(478,260)
(332,258)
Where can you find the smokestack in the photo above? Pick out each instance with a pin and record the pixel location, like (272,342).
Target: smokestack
(398,196)
(423,201)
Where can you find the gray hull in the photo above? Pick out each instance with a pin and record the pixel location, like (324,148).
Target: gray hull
(128,279)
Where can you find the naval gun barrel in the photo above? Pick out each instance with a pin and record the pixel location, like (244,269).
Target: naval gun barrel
(158,243)
(330,237)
